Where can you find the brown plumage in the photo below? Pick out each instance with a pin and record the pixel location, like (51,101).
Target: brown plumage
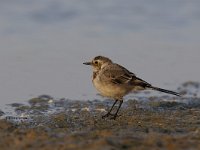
(115,81)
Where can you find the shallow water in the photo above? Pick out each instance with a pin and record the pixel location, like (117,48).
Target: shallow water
(44,43)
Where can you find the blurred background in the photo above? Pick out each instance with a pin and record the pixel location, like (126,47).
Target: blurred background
(43,44)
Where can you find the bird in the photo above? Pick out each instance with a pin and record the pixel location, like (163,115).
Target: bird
(115,81)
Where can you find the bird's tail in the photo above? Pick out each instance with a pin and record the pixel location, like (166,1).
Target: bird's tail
(144,84)
(165,91)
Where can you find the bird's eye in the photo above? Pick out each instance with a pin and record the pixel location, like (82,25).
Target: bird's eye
(96,62)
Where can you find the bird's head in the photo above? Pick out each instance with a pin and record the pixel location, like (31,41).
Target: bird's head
(98,62)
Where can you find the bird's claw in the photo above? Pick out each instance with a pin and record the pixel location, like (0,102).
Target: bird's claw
(114,116)
(106,115)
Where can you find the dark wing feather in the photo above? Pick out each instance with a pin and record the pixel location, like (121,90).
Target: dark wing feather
(120,75)
(116,74)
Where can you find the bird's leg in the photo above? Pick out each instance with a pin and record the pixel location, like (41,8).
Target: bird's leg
(115,115)
(109,112)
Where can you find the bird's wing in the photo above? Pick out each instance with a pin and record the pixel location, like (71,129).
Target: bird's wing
(116,74)
(120,75)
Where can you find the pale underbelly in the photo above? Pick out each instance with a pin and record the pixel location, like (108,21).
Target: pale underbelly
(112,90)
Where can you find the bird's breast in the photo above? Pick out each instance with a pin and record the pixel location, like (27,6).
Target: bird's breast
(109,89)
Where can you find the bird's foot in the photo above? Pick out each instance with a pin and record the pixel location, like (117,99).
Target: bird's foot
(107,115)
(111,114)
(113,117)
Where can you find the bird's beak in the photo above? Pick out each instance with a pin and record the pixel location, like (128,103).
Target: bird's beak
(87,63)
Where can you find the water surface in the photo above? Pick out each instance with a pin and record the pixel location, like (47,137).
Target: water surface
(44,43)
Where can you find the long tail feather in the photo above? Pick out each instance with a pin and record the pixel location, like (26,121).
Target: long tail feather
(165,91)
(147,85)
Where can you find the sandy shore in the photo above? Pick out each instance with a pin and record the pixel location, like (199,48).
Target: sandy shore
(164,125)
(149,123)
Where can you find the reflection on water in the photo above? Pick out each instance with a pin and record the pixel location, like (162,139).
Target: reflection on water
(43,44)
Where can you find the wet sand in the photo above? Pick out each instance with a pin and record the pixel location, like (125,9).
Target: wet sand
(163,122)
